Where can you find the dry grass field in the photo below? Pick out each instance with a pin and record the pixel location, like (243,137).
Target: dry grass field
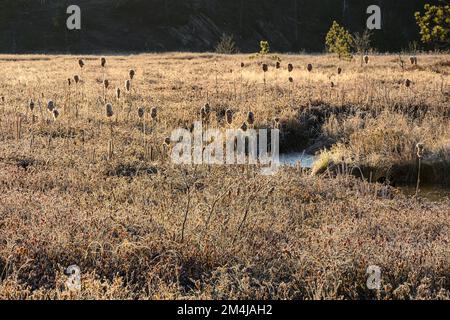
(80,188)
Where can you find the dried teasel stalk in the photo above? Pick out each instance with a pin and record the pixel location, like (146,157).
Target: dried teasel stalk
(154,113)
(141,112)
(229,116)
(408,83)
(277,122)
(205,112)
(31,105)
(55,114)
(167,141)
(420,147)
(207,108)
(413,60)
(50,106)
(250,118)
(366,59)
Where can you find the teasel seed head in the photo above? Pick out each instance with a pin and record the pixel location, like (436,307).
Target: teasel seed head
(244,127)
(309,67)
(50,106)
(128,85)
(103,62)
(55,114)
(81,63)
(242,65)
(109,110)
(290,67)
(278,65)
(204,113)
(132,74)
(69,82)
(291,79)
(207,108)
(408,83)
(167,141)
(31,105)
(76,78)
(154,113)
(366,59)
(250,118)
(339,70)
(118,93)
(229,116)
(420,148)
(265,67)
(106,83)
(141,112)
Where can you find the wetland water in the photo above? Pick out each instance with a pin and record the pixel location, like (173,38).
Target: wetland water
(430,192)
(291,159)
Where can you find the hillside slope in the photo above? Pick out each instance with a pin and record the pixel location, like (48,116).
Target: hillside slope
(196,25)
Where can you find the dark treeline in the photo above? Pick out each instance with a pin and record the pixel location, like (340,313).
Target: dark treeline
(197,25)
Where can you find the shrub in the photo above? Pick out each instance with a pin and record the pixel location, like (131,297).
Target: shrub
(264,47)
(226,45)
(434,25)
(361,44)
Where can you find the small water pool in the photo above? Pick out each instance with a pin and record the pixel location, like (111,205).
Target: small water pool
(430,192)
(293,158)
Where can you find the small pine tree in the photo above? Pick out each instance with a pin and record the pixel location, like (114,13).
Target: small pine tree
(264,47)
(339,41)
(434,25)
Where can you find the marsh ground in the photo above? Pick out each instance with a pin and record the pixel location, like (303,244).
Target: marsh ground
(101,193)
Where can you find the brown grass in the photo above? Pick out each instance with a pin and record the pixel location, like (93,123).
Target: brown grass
(140,227)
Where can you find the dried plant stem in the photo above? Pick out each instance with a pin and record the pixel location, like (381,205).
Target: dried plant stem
(186,213)
(18,127)
(418,176)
